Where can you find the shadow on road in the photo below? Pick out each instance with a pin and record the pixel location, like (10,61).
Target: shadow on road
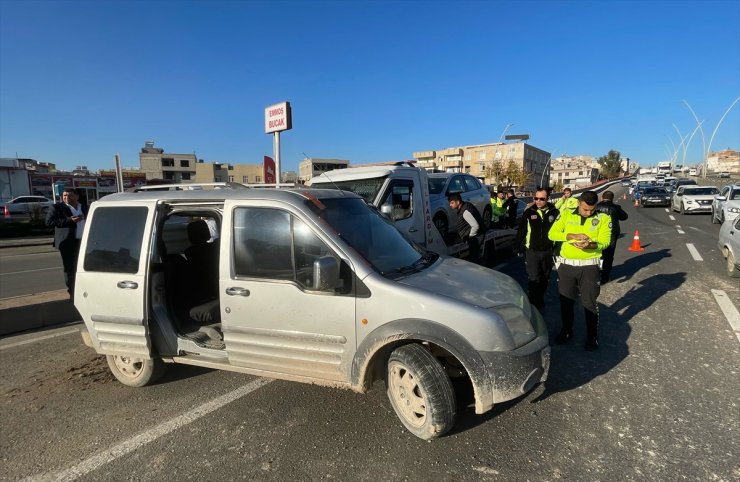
(176,372)
(624,272)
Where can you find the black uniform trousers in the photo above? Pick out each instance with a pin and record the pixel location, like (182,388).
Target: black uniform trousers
(570,280)
(539,267)
(607,257)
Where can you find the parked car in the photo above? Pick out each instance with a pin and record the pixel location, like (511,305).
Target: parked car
(726,205)
(626,183)
(442,184)
(25,207)
(655,196)
(307,285)
(693,199)
(724,174)
(729,246)
(693,172)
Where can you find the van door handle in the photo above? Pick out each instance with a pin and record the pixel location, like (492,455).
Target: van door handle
(412,230)
(128,285)
(237,291)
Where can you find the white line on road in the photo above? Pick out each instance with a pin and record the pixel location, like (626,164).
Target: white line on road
(680,231)
(666,210)
(670,216)
(694,253)
(731,313)
(38,338)
(127,446)
(32,270)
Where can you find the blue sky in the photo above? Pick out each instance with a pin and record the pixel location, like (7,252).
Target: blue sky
(367,81)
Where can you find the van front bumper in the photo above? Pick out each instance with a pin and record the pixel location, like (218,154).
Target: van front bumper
(516,372)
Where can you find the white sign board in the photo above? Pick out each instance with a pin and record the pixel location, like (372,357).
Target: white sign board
(278,118)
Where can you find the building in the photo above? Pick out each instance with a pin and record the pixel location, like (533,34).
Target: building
(724,161)
(312,166)
(476,159)
(226,172)
(575,172)
(157,164)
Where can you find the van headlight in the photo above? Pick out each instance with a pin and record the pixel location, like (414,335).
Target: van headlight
(518,321)
(733,210)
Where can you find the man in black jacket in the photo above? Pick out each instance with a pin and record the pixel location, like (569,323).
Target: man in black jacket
(617,214)
(510,206)
(469,224)
(532,234)
(68,219)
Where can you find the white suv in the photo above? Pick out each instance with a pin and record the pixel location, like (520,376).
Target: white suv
(693,199)
(726,205)
(308,285)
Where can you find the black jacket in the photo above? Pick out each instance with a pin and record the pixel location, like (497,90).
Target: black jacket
(463,228)
(59,216)
(617,214)
(534,227)
(510,206)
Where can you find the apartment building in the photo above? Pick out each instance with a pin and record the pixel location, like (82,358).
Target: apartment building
(724,161)
(574,172)
(312,166)
(158,164)
(475,159)
(226,172)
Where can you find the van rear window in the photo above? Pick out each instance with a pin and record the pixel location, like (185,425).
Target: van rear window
(115,239)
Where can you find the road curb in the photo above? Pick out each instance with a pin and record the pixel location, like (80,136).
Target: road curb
(31,312)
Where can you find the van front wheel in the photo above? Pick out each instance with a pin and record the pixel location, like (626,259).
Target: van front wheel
(135,372)
(420,391)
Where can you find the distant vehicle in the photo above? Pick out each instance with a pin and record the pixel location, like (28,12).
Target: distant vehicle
(626,183)
(26,207)
(724,174)
(729,246)
(692,172)
(726,205)
(655,196)
(693,199)
(471,190)
(682,182)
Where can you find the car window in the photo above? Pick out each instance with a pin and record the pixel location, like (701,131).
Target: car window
(723,192)
(115,239)
(737,223)
(367,188)
(701,191)
(456,185)
(735,194)
(472,183)
(399,198)
(436,185)
(270,243)
(20,200)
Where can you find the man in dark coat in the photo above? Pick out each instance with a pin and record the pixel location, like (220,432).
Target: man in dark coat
(617,214)
(469,225)
(510,206)
(68,219)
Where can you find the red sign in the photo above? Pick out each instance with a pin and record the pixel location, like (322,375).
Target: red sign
(268,170)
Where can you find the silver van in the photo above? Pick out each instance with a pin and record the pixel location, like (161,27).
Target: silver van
(314,286)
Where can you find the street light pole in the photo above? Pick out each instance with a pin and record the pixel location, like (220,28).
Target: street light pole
(501,139)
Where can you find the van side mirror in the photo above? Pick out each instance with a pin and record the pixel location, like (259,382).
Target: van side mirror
(325,274)
(387,211)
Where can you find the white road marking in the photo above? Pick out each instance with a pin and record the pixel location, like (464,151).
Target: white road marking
(32,270)
(38,338)
(694,253)
(666,210)
(670,216)
(680,231)
(731,313)
(127,446)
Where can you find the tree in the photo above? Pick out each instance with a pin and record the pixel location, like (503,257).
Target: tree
(495,172)
(515,175)
(558,186)
(611,164)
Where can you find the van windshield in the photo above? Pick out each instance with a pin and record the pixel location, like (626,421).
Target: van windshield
(374,237)
(367,188)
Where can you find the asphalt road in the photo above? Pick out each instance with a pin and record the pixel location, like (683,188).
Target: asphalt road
(658,401)
(30,269)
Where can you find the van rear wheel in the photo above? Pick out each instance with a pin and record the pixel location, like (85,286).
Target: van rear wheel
(135,372)
(420,391)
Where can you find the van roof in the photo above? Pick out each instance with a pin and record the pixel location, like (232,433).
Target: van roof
(220,195)
(352,173)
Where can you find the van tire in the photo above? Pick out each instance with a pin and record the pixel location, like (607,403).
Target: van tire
(440,221)
(135,372)
(420,391)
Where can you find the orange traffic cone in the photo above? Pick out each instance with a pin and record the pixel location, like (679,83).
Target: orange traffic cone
(636,242)
(624,196)
(637,203)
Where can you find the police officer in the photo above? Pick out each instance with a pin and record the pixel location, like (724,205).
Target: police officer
(532,232)
(567,201)
(585,233)
(615,211)
(469,224)
(497,208)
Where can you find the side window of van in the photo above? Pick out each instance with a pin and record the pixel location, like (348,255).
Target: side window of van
(399,197)
(272,244)
(115,239)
